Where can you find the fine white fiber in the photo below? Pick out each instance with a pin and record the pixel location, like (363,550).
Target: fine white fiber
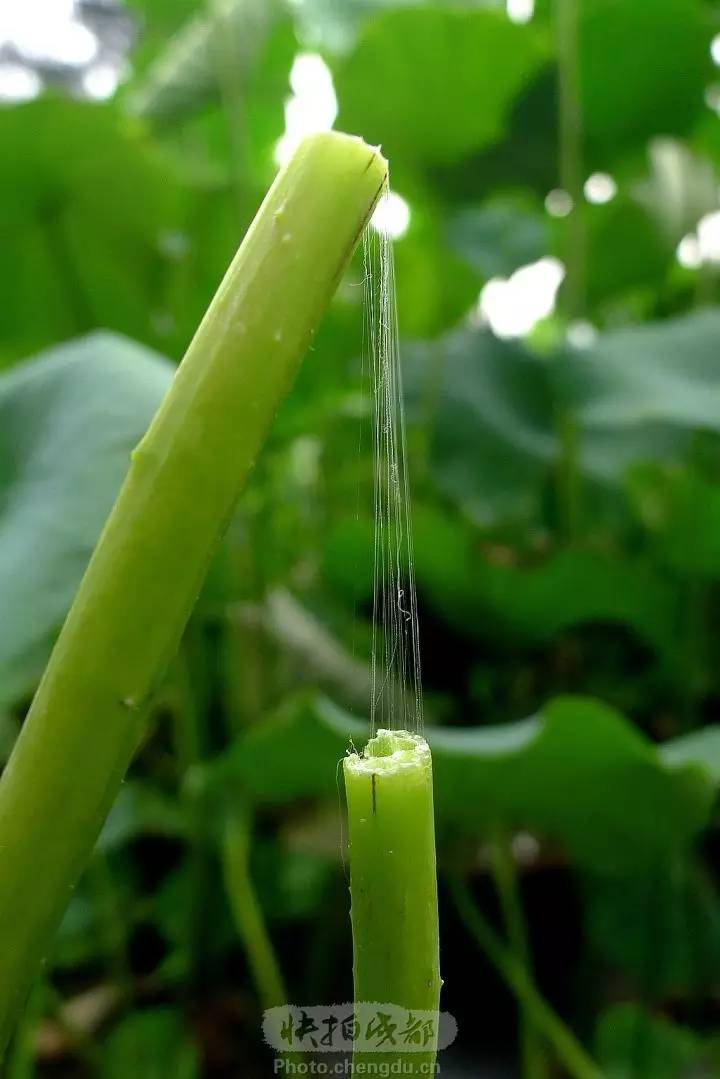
(396,675)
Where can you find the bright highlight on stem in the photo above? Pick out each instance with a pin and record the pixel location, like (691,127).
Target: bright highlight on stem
(131,608)
(391,834)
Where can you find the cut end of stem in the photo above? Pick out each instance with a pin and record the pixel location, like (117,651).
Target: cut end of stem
(390,752)
(347,143)
(356,154)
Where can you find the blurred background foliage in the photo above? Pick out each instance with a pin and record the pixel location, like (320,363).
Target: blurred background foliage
(555,212)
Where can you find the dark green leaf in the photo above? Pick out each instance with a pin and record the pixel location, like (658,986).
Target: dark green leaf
(433,85)
(488,411)
(290,883)
(68,421)
(499,236)
(661,927)
(551,773)
(482,595)
(633,1042)
(213,52)
(434,287)
(625,101)
(682,512)
(485,592)
(153,1044)
(661,373)
(626,250)
(140,809)
(86,202)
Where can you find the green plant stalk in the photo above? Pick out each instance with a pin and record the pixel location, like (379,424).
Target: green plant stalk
(505,877)
(125,624)
(247,912)
(570,123)
(570,163)
(570,1052)
(187,711)
(22,1055)
(393,882)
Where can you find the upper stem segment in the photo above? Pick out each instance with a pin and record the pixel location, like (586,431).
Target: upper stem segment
(147,569)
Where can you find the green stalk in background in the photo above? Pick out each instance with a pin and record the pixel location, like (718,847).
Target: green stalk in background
(570,163)
(570,167)
(571,1054)
(246,910)
(504,873)
(393,882)
(125,624)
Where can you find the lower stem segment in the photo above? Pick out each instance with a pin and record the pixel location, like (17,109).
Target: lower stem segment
(393,887)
